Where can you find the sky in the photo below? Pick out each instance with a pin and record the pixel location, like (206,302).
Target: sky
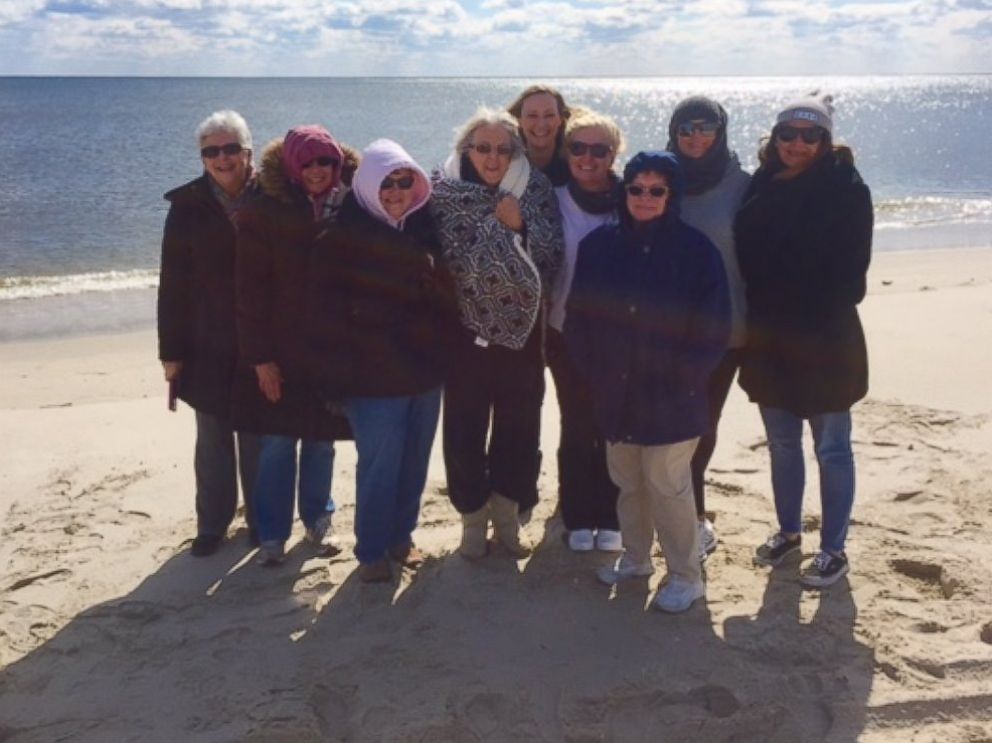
(547,38)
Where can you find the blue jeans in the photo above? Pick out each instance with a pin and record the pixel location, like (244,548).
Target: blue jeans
(277,478)
(832,444)
(393,436)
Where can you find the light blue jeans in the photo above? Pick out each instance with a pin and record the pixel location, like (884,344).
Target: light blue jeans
(393,436)
(832,444)
(277,470)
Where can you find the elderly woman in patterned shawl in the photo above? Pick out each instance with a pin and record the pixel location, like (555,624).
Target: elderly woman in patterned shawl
(501,238)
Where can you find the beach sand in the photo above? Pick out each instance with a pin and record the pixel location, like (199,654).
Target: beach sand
(110,631)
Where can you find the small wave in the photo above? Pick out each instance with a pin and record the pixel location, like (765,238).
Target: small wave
(36,287)
(923,211)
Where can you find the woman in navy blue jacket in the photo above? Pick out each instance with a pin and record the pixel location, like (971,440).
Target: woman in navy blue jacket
(647,320)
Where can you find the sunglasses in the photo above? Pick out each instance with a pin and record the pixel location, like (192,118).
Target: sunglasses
(484,148)
(656,192)
(597,150)
(214,150)
(403,184)
(809,135)
(706,128)
(324,162)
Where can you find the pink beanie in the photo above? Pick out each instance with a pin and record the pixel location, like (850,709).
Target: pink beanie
(304,143)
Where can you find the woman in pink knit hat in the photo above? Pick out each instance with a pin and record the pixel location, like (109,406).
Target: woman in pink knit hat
(301,184)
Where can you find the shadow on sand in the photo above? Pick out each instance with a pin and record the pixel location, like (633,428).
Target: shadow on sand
(221,649)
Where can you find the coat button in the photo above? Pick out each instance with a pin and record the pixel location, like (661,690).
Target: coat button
(632,309)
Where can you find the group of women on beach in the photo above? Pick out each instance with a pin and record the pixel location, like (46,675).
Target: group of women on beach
(334,294)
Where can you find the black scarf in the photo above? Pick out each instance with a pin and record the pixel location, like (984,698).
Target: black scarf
(596,203)
(705,172)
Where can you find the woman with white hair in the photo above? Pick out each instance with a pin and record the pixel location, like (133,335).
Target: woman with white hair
(196,326)
(500,233)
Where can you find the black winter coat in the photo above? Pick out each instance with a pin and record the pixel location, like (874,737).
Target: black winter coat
(196,297)
(277,236)
(384,310)
(804,246)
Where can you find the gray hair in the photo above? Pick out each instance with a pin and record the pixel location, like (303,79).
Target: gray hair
(225,121)
(485,116)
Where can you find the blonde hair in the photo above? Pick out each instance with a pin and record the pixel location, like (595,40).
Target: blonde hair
(585,118)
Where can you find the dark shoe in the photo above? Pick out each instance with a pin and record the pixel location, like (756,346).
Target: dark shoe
(321,535)
(205,545)
(375,572)
(824,570)
(407,554)
(778,547)
(271,554)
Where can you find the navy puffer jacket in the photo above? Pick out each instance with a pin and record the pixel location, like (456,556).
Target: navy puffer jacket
(648,319)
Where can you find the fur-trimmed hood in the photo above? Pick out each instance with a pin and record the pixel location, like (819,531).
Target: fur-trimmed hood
(274,182)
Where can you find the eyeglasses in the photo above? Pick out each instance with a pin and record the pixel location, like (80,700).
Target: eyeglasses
(809,135)
(484,148)
(598,150)
(656,192)
(214,150)
(324,162)
(405,183)
(706,128)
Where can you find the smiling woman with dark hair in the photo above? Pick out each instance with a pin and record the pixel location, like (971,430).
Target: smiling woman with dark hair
(804,243)
(542,113)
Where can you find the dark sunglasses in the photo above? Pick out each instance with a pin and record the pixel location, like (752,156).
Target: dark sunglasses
(809,135)
(323,162)
(597,150)
(214,150)
(706,128)
(484,148)
(656,191)
(403,184)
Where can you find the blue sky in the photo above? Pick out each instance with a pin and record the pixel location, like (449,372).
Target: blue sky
(494,37)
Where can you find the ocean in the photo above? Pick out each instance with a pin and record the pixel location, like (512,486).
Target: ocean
(84,162)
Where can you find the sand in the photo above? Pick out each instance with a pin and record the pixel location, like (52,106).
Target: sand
(111,631)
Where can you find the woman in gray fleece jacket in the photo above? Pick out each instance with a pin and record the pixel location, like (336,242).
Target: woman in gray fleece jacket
(697,134)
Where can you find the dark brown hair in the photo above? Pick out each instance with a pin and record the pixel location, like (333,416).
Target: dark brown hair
(768,153)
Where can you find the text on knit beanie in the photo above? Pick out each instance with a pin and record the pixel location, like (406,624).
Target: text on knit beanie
(816,108)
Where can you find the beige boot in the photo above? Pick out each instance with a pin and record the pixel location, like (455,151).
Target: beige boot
(474,527)
(506,524)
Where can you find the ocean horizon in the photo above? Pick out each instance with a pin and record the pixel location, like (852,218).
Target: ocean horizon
(86,160)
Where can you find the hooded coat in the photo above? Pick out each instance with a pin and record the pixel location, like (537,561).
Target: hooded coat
(196,297)
(502,278)
(648,318)
(804,246)
(277,235)
(383,308)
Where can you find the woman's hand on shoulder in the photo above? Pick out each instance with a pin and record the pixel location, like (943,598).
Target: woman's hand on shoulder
(508,212)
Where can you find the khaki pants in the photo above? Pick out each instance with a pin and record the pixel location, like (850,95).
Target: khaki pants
(656,495)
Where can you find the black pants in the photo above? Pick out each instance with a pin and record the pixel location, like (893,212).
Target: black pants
(493,385)
(586,494)
(717,389)
(222,457)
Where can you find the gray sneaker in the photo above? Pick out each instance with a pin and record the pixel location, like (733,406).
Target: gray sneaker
(271,554)
(778,547)
(321,535)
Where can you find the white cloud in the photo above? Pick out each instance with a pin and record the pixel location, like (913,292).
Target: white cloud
(510,37)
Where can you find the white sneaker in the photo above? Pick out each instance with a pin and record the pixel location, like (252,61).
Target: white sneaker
(707,539)
(677,595)
(622,570)
(609,540)
(581,540)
